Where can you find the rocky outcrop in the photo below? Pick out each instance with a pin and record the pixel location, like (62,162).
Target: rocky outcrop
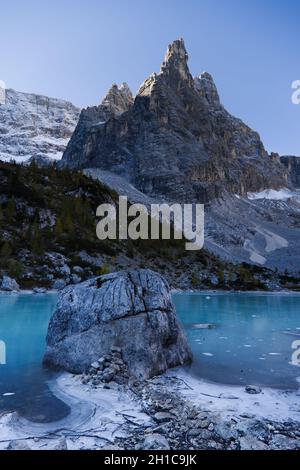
(92,119)
(8,284)
(131,311)
(177,140)
(34,126)
(293,165)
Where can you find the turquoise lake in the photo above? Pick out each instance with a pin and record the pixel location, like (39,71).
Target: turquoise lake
(23,380)
(250,343)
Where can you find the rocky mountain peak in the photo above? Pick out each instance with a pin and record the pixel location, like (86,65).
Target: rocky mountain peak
(207,89)
(174,70)
(176,61)
(175,140)
(118,99)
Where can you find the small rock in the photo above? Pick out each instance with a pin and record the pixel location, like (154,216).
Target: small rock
(202,415)
(95,365)
(247,415)
(203,424)
(96,381)
(78,270)
(119,362)
(39,290)
(162,417)
(107,376)
(18,445)
(61,445)
(155,442)
(253,389)
(120,380)
(115,349)
(64,270)
(75,279)
(59,284)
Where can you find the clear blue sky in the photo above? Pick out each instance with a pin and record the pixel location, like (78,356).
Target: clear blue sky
(75,49)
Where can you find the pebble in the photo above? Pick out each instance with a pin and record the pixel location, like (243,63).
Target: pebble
(253,389)
(163,417)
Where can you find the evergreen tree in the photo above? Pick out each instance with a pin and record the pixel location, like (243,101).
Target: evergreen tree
(10,210)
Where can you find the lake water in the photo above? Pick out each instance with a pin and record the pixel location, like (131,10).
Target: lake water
(250,343)
(23,381)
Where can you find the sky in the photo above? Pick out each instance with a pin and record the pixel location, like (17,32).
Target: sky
(75,49)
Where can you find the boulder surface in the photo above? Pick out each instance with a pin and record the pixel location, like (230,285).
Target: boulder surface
(130,310)
(9,284)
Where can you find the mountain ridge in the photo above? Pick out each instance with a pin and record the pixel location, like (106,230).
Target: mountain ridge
(177,140)
(33,125)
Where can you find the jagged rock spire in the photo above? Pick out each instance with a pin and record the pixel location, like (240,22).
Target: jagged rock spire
(176,61)
(118,99)
(206,87)
(174,69)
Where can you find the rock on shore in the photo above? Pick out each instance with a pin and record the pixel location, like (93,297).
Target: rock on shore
(8,284)
(131,310)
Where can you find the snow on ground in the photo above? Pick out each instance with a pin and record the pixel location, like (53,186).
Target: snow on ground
(275,195)
(98,416)
(233,400)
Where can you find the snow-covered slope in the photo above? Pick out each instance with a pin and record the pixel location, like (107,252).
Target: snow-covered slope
(34,125)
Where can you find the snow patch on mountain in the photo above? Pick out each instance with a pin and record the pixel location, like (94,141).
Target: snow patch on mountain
(34,125)
(275,195)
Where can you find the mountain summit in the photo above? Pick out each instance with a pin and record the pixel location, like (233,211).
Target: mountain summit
(174,139)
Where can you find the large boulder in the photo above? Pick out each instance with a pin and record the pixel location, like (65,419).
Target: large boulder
(8,284)
(131,310)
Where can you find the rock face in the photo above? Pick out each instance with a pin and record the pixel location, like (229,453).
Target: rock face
(117,101)
(175,139)
(293,165)
(35,126)
(130,310)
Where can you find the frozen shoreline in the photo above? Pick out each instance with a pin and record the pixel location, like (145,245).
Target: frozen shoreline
(173,291)
(99,416)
